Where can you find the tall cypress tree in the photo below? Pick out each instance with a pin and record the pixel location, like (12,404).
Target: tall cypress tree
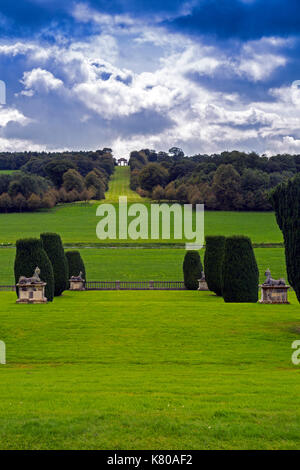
(192,270)
(213,261)
(53,246)
(30,255)
(240,275)
(286,202)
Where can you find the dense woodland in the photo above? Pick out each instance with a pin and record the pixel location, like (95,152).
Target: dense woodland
(42,180)
(226,181)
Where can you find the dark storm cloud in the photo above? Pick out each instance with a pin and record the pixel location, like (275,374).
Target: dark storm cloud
(241,19)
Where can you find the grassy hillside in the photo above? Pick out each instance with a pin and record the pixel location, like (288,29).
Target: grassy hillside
(172,370)
(142,264)
(119,186)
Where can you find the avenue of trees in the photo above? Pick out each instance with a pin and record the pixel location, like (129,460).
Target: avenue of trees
(227,181)
(41,180)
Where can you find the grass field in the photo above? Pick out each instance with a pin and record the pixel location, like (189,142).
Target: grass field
(141,370)
(77,224)
(8,172)
(146,370)
(142,264)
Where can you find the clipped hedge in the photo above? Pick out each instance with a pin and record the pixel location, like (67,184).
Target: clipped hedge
(192,270)
(286,202)
(240,275)
(213,261)
(29,255)
(53,246)
(75,263)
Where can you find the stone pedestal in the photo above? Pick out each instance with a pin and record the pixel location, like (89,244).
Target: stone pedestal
(32,293)
(274,294)
(202,284)
(77,284)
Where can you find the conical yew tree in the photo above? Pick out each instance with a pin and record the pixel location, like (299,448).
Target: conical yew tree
(240,275)
(213,261)
(53,246)
(286,202)
(192,270)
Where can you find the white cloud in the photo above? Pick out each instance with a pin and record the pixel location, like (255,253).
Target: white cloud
(83,13)
(19,145)
(285,144)
(12,115)
(260,66)
(16,49)
(41,81)
(259,59)
(103,46)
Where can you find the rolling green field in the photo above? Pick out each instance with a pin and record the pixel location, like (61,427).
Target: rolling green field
(148,370)
(134,264)
(77,224)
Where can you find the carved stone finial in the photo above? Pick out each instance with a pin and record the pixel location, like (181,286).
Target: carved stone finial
(36,275)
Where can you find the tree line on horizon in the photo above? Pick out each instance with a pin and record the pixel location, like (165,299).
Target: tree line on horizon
(226,181)
(42,180)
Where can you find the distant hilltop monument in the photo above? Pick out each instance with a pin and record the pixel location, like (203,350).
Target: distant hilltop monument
(122,162)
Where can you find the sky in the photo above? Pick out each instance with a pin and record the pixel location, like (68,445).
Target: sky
(203,75)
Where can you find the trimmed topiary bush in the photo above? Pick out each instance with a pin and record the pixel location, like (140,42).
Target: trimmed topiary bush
(192,270)
(29,255)
(75,263)
(240,275)
(213,262)
(53,246)
(286,202)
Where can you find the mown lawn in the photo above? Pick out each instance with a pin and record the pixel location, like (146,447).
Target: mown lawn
(77,224)
(134,264)
(148,370)
(8,172)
